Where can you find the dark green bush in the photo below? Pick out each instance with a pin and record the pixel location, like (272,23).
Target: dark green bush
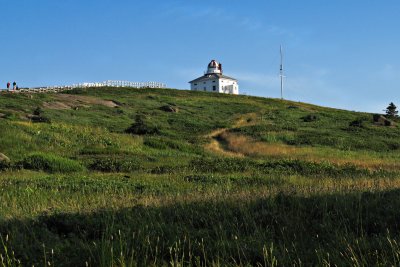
(38,111)
(50,163)
(141,127)
(310,118)
(4,165)
(169,108)
(357,123)
(40,119)
(38,116)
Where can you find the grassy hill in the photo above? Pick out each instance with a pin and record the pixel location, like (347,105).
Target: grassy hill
(126,177)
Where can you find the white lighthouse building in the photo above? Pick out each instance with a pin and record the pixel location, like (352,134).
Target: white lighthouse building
(214,81)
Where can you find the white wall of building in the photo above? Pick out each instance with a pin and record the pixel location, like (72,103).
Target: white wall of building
(211,85)
(216,85)
(228,86)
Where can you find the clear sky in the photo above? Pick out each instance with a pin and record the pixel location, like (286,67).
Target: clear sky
(338,53)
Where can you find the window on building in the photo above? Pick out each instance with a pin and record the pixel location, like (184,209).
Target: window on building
(204,89)
(213,81)
(204,82)
(195,84)
(214,88)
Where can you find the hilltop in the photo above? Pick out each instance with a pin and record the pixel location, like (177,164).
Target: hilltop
(160,176)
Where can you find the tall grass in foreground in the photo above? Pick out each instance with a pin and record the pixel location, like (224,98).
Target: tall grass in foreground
(355,229)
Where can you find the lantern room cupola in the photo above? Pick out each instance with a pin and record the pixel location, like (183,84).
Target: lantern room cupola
(214,67)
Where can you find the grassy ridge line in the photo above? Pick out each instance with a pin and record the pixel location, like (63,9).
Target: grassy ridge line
(270,123)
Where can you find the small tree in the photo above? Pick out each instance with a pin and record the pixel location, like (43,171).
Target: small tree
(391,110)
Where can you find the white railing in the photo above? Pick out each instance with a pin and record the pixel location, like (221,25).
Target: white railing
(121,84)
(58,88)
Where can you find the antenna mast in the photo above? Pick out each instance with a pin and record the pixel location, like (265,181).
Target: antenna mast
(281,70)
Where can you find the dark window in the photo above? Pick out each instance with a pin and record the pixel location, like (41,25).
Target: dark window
(213,81)
(204,88)
(195,84)
(214,88)
(204,82)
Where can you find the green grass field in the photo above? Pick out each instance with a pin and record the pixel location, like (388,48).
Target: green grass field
(109,177)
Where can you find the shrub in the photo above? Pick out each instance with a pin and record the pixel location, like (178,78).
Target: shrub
(142,127)
(292,107)
(38,111)
(4,165)
(50,163)
(38,116)
(40,119)
(357,123)
(310,118)
(169,108)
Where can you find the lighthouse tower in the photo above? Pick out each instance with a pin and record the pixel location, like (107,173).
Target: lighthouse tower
(214,81)
(214,67)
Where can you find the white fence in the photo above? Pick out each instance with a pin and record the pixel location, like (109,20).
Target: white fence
(58,88)
(121,84)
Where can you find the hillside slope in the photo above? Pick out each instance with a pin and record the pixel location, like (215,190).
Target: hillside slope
(184,177)
(250,126)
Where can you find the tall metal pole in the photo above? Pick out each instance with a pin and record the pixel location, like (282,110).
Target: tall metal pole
(281,71)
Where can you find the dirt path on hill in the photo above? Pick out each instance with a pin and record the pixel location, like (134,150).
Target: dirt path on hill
(218,142)
(224,142)
(216,145)
(67,101)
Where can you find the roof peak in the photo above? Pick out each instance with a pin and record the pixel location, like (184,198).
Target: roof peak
(212,76)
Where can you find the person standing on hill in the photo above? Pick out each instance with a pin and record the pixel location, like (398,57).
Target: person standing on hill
(14,85)
(8,85)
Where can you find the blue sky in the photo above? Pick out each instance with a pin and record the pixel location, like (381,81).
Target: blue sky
(342,54)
